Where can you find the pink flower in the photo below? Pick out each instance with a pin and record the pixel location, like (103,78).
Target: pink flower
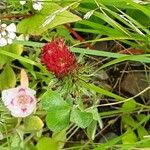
(20,101)
(58,58)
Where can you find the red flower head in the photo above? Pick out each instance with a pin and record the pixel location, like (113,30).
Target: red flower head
(58,58)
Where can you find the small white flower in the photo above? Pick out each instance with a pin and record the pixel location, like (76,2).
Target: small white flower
(7,33)
(3,42)
(23,2)
(88,14)
(20,101)
(37,6)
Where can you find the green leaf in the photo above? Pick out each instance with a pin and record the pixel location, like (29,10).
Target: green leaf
(58,118)
(129,137)
(30,147)
(16,142)
(51,100)
(102,91)
(7,78)
(58,111)
(143,9)
(60,137)
(81,118)
(91,130)
(109,144)
(129,105)
(38,19)
(141,117)
(120,3)
(4,148)
(142,132)
(141,129)
(96,116)
(14,48)
(46,144)
(33,123)
(137,15)
(55,143)
(128,120)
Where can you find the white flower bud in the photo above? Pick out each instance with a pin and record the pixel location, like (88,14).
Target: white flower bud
(37,6)
(23,2)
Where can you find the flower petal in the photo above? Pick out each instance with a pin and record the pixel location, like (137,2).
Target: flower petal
(3,25)
(3,33)
(30,91)
(9,41)
(8,95)
(11,28)
(3,42)
(11,35)
(22,113)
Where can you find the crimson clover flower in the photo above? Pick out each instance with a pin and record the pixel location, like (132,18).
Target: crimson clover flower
(20,101)
(58,58)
